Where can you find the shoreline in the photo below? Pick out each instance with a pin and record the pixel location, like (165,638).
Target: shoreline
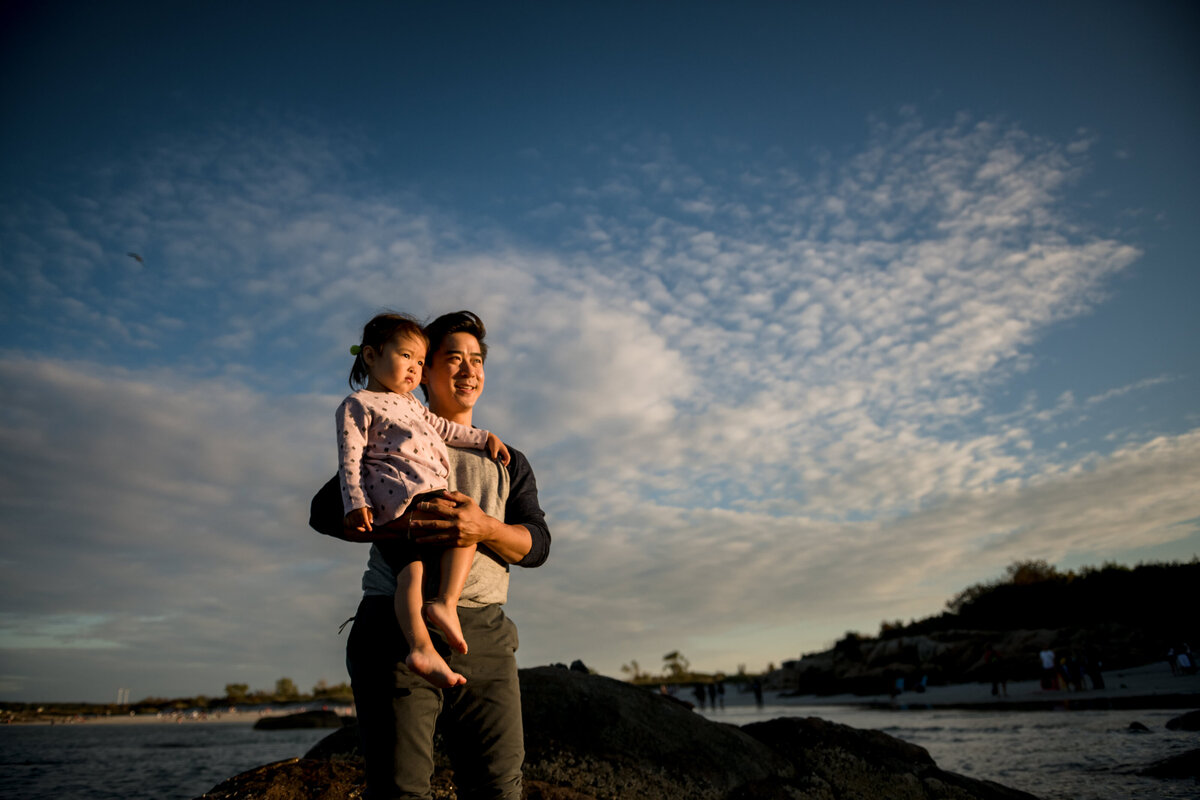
(175,718)
(1151,686)
(1144,687)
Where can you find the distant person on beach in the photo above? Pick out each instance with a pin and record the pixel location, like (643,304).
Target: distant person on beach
(993,667)
(392,451)
(1074,670)
(488,505)
(1092,665)
(1064,674)
(1049,669)
(1184,659)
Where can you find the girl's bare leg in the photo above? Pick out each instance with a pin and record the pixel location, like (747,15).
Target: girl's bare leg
(442,610)
(422,659)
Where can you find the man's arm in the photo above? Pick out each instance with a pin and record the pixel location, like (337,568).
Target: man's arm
(458,521)
(523,509)
(325,516)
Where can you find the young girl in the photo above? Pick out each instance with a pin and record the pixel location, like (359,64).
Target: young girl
(392,449)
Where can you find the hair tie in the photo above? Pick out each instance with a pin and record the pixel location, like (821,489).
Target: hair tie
(355,349)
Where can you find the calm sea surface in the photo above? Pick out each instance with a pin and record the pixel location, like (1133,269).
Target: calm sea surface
(143,761)
(1056,755)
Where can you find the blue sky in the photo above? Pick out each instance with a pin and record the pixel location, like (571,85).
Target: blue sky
(806,315)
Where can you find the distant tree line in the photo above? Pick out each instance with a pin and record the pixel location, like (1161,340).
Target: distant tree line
(1146,609)
(1112,615)
(285,692)
(676,669)
(1156,597)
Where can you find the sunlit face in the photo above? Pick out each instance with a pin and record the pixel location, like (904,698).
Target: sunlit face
(396,367)
(454,375)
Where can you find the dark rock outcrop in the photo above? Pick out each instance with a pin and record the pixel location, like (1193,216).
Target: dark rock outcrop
(613,740)
(295,779)
(594,738)
(1183,765)
(836,761)
(1185,722)
(302,719)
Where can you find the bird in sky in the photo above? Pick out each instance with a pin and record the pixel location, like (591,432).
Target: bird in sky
(136,257)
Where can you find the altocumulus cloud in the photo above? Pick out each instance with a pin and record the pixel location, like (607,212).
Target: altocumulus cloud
(756,393)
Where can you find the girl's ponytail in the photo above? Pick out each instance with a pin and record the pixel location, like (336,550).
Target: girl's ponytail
(379,331)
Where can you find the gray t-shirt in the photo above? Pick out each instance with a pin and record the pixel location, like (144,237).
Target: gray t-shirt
(474,474)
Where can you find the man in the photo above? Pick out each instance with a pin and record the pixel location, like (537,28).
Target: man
(495,508)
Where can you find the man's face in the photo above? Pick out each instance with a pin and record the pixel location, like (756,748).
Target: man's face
(454,375)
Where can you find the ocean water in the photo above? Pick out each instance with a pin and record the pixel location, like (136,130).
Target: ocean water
(141,761)
(1055,755)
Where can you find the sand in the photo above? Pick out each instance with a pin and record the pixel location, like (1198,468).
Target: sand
(1147,686)
(180,718)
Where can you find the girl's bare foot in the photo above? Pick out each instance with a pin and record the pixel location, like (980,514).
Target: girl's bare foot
(432,667)
(445,617)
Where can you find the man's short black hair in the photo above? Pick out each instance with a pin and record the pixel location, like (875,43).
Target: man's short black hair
(456,322)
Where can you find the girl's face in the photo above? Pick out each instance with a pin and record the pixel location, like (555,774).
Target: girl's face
(396,367)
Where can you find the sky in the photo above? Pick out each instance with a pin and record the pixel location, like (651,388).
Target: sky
(806,315)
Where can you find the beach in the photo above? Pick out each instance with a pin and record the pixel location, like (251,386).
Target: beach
(187,717)
(1147,686)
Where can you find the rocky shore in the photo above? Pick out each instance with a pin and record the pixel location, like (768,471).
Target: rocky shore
(595,738)
(871,666)
(1146,686)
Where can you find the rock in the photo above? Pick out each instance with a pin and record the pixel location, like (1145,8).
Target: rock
(303,719)
(1183,765)
(613,740)
(837,761)
(589,737)
(1186,722)
(340,744)
(1137,727)
(294,778)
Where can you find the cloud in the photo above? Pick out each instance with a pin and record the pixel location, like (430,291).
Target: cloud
(663,578)
(163,518)
(758,393)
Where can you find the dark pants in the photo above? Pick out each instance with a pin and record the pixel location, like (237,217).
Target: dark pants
(397,711)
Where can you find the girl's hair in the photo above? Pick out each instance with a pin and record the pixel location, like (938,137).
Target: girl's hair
(379,331)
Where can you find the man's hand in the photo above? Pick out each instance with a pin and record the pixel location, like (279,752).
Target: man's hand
(452,520)
(455,520)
